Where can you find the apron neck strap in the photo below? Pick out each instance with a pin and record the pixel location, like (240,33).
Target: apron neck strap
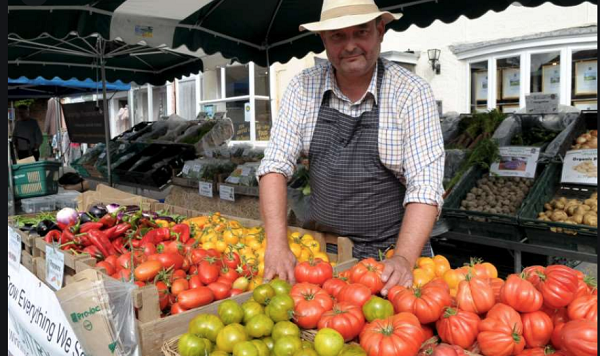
(380,73)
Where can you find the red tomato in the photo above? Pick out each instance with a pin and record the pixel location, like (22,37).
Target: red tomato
(397,335)
(208,271)
(149,248)
(123,274)
(179,286)
(316,272)
(345,318)
(214,253)
(311,302)
(428,331)
(140,284)
(168,260)
(195,282)
(585,307)
(333,286)
(231,260)
(558,286)
(125,260)
(394,291)
(193,270)
(110,270)
(235,292)
(112,260)
(537,329)
(533,273)
(220,290)
(177,308)
(501,333)
(448,350)
(368,272)
(475,295)
(178,274)
(521,295)
(225,281)
(580,338)
(354,293)
(147,270)
(426,302)
(194,298)
(174,247)
(496,284)
(163,295)
(541,351)
(458,327)
(229,273)
(198,255)
(556,338)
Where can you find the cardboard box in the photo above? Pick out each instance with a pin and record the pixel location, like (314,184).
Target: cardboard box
(107,195)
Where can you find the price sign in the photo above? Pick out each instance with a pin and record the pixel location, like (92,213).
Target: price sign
(516,162)
(227,193)
(581,167)
(102,155)
(197,167)
(206,189)
(14,249)
(246,172)
(186,169)
(122,147)
(55,267)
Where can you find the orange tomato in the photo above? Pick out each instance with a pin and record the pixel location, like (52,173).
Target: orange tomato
(421,277)
(423,261)
(389,254)
(453,277)
(441,265)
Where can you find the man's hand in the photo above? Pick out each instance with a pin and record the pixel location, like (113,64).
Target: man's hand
(397,271)
(280,261)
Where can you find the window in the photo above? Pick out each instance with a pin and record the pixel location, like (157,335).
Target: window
(545,73)
(261,81)
(479,86)
(186,98)
(263,120)
(159,102)
(140,103)
(508,90)
(236,111)
(585,79)
(237,81)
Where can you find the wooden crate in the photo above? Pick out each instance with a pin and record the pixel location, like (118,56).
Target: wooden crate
(28,261)
(27,240)
(242,190)
(73,264)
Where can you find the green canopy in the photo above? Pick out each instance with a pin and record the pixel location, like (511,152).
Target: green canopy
(264,31)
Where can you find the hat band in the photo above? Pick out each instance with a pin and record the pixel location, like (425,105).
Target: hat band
(348,10)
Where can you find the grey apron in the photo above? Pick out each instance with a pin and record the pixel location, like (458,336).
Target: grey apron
(353,193)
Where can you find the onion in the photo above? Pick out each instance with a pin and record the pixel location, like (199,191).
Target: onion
(111,208)
(67,216)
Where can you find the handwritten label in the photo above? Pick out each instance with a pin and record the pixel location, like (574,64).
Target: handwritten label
(516,162)
(542,103)
(14,249)
(55,267)
(206,189)
(227,193)
(581,167)
(186,169)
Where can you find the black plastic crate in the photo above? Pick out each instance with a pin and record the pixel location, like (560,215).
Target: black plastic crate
(588,120)
(538,231)
(500,226)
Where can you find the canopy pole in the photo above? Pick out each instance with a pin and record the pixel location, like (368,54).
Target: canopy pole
(61,154)
(106,120)
(11,184)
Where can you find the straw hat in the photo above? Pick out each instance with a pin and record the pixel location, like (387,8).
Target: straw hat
(337,14)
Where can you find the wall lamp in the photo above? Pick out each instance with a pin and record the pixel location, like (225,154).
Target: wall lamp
(434,58)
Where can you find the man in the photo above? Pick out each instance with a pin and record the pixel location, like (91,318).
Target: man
(27,135)
(372,133)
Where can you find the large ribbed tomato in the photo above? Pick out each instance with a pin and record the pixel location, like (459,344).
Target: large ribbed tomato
(315,271)
(458,327)
(448,350)
(311,302)
(427,302)
(475,294)
(585,307)
(497,284)
(537,329)
(542,351)
(558,285)
(398,335)
(333,286)
(354,293)
(521,295)
(368,273)
(345,318)
(580,338)
(501,333)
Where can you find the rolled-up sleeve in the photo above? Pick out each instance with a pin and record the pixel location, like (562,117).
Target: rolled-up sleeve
(423,160)
(285,144)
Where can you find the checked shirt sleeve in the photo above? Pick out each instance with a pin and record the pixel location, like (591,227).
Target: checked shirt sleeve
(285,143)
(424,150)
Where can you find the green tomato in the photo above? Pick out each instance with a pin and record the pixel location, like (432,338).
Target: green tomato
(206,326)
(231,335)
(352,350)
(192,345)
(219,353)
(287,346)
(269,342)
(308,345)
(377,308)
(245,348)
(259,326)
(306,352)
(263,294)
(251,309)
(285,328)
(280,308)
(328,342)
(280,286)
(230,312)
(263,349)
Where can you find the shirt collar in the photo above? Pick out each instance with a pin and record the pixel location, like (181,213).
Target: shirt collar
(331,84)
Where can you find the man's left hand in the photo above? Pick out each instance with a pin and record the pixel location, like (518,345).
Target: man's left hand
(397,271)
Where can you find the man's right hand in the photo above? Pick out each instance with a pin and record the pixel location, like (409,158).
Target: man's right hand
(280,261)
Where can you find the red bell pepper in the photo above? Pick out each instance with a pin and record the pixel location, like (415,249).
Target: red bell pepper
(156,236)
(52,236)
(90,226)
(182,231)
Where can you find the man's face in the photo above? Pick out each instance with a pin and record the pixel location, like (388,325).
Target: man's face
(353,51)
(22,114)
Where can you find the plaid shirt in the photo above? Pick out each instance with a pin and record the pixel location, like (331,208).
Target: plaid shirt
(410,137)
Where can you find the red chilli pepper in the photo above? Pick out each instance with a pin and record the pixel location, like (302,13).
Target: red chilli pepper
(52,236)
(90,226)
(108,220)
(83,240)
(119,246)
(183,231)
(94,252)
(119,230)
(100,241)
(67,236)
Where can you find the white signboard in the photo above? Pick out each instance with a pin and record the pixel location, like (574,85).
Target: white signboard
(516,161)
(581,167)
(248,112)
(542,103)
(14,249)
(36,323)
(227,193)
(55,267)
(206,189)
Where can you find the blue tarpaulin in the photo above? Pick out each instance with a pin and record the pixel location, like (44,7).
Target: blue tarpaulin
(40,87)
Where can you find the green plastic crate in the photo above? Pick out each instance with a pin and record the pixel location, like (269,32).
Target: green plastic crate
(538,231)
(35,179)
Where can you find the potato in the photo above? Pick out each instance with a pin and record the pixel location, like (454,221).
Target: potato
(559,216)
(582,210)
(559,205)
(571,210)
(581,140)
(590,202)
(578,219)
(545,218)
(541,215)
(594,133)
(547,206)
(590,219)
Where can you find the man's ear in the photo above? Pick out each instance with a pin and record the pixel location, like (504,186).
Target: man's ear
(322,35)
(381,29)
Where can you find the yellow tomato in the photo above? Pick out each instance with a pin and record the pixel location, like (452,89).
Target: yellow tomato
(305,255)
(234,224)
(296,235)
(307,238)
(221,246)
(260,254)
(423,261)
(322,255)
(255,245)
(429,269)
(208,245)
(453,278)
(389,254)
(441,265)
(264,243)
(162,223)
(453,293)
(208,236)
(255,282)
(492,272)
(246,251)
(230,237)
(314,246)
(421,277)
(261,269)
(296,249)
